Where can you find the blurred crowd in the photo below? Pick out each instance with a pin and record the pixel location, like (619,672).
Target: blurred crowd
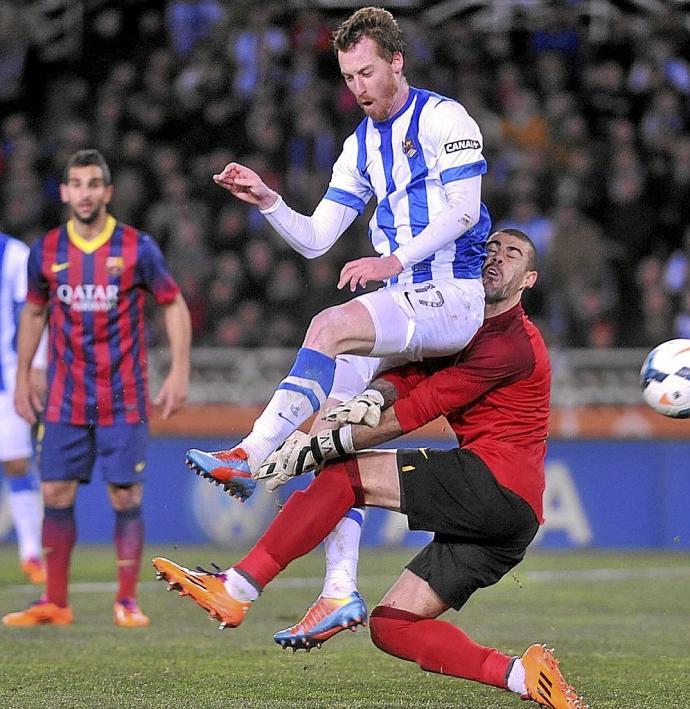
(587,139)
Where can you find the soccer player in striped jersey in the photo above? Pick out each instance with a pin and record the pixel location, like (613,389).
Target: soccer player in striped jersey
(87,279)
(420,155)
(15,434)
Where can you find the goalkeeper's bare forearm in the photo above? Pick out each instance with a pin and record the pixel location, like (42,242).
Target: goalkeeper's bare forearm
(387,429)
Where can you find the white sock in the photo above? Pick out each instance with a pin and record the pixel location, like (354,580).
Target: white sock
(516,678)
(278,421)
(238,586)
(342,555)
(27,515)
(302,393)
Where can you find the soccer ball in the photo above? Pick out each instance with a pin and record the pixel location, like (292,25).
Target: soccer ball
(665,379)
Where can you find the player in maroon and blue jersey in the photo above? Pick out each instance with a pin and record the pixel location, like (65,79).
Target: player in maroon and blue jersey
(87,279)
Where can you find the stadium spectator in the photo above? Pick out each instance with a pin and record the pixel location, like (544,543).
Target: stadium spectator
(16,451)
(482,500)
(587,72)
(87,279)
(429,230)
(191,21)
(578,273)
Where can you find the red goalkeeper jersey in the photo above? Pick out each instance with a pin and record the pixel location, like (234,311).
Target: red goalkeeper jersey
(495,395)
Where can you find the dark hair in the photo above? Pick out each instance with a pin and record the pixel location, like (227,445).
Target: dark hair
(532,260)
(373,22)
(82,158)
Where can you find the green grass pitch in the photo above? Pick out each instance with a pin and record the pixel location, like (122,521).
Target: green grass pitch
(620,623)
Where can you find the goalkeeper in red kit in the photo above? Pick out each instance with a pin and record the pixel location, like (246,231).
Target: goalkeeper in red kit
(482,500)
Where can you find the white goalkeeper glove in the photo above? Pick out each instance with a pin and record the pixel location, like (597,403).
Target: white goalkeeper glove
(303,454)
(364,408)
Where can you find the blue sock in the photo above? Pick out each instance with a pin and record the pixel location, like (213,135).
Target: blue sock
(23,482)
(301,394)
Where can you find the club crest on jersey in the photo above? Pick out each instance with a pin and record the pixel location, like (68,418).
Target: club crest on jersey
(115,265)
(408,148)
(467,144)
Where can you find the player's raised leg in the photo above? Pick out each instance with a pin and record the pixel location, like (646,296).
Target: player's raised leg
(344,328)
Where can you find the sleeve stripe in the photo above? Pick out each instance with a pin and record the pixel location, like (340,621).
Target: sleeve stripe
(462,172)
(345,198)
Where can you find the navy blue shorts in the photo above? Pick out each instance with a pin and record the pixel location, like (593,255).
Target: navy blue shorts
(68,452)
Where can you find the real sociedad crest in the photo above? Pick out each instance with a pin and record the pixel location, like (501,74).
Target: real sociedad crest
(408,148)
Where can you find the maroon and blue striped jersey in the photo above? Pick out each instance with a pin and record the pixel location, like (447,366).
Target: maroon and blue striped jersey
(95,292)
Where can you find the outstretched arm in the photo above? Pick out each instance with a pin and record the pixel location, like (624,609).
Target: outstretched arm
(310,236)
(246,185)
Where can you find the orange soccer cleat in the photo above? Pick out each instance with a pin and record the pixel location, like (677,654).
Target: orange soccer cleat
(205,588)
(127,614)
(40,613)
(34,569)
(545,683)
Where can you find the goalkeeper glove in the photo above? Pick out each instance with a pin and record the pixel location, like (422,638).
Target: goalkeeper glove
(303,454)
(364,408)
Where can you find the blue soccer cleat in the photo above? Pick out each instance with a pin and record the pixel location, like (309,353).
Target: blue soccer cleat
(227,468)
(325,618)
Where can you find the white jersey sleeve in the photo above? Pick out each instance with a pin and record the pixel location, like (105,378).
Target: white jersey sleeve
(461,214)
(458,139)
(310,236)
(13,278)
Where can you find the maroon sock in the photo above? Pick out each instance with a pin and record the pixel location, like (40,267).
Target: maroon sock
(437,646)
(307,519)
(59,535)
(129,541)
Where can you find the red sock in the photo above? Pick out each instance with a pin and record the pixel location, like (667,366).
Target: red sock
(129,541)
(437,646)
(305,521)
(59,535)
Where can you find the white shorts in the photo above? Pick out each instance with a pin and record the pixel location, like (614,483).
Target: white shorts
(412,321)
(15,433)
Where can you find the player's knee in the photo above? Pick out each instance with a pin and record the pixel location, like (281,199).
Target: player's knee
(124,497)
(15,468)
(379,629)
(325,330)
(385,626)
(58,493)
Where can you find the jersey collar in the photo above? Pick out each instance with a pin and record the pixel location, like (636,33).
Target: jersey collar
(88,246)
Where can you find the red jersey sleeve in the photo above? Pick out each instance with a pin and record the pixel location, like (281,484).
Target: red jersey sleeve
(491,360)
(406,378)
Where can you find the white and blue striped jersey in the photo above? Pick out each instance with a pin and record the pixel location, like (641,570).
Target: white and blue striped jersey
(405,162)
(13,257)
